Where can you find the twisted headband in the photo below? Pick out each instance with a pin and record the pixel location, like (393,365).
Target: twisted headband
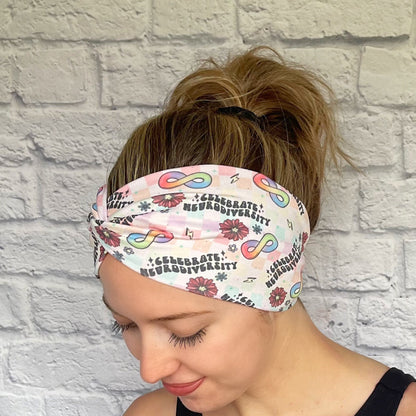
(218,231)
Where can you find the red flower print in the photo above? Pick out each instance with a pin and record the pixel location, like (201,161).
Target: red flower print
(233,229)
(102,254)
(109,237)
(168,200)
(277,297)
(202,286)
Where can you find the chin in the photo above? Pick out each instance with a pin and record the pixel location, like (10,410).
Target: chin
(200,405)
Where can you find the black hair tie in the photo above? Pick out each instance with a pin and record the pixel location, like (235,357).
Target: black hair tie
(243,113)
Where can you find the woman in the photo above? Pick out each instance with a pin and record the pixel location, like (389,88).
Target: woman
(205,216)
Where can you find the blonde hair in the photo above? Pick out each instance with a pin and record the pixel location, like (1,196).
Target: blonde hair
(291,147)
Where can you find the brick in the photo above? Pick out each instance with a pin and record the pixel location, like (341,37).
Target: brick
(52,365)
(364,264)
(387,323)
(5,79)
(74,20)
(339,199)
(5,15)
(68,195)
(75,309)
(339,67)
(349,263)
(2,370)
(334,316)
(140,77)
(409,362)
(12,125)
(382,337)
(373,139)
(66,405)
(388,77)
(19,194)
(409,143)
(13,306)
(410,263)
(388,204)
(319,247)
(36,69)
(79,139)
(388,312)
(14,151)
(11,404)
(46,250)
(198,19)
(300,19)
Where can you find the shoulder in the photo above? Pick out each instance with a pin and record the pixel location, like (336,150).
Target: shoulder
(408,403)
(158,402)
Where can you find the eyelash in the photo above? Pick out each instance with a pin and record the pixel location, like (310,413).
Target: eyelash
(117,328)
(190,341)
(182,342)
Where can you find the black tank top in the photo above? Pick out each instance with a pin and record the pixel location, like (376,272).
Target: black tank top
(383,401)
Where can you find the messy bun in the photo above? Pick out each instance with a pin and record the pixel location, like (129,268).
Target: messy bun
(291,145)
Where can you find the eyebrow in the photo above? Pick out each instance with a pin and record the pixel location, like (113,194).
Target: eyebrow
(173,317)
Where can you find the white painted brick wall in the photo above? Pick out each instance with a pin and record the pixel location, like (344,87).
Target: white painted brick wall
(38,73)
(74,20)
(303,19)
(409,142)
(410,263)
(5,79)
(388,204)
(212,20)
(76,77)
(377,138)
(388,77)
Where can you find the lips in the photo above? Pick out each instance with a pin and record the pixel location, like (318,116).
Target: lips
(183,389)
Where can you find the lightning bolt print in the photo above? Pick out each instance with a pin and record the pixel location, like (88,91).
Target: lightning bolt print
(234,178)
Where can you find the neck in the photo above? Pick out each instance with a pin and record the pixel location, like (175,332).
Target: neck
(301,372)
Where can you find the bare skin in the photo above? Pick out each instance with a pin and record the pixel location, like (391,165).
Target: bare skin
(281,364)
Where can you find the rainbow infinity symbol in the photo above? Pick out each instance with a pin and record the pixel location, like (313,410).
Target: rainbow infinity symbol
(138,240)
(252,248)
(295,290)
(279,197)
(173,179)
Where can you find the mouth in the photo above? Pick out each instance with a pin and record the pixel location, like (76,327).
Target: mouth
(183,389)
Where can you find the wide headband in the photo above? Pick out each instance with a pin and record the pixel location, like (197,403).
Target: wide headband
(217,231)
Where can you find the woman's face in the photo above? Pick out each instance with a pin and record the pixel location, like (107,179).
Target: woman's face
(180,337)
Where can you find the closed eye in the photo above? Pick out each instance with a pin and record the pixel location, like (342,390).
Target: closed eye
(118,328)
(183,342)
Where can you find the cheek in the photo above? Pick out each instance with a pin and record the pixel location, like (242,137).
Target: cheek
(132,340)
(247,355)
(236,353)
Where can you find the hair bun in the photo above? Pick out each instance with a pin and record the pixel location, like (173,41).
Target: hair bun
(255,111)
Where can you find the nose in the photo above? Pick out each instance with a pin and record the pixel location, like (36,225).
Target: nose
(157,360)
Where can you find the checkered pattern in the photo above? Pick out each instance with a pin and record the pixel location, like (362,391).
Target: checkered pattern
(220,227)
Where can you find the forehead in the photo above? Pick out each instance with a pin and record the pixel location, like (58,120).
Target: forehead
(125,289)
